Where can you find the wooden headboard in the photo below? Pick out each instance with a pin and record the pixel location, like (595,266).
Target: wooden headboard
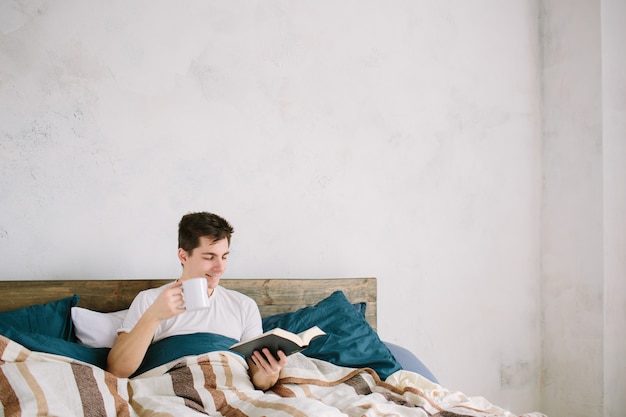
(273,296)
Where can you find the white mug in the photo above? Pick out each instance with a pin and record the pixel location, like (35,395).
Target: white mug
(195,294)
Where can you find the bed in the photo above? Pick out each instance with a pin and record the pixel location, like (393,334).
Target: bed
(55,335)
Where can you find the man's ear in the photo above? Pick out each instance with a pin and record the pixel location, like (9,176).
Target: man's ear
(182,256)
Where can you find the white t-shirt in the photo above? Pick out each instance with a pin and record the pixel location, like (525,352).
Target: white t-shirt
(230,313)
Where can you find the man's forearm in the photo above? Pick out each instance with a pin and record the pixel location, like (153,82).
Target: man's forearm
(130,348)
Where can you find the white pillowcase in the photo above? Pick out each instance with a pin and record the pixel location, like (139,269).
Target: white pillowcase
(95,329)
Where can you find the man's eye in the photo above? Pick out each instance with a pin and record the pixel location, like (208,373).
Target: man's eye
(208,258)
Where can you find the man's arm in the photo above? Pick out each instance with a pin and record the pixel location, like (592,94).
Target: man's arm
(130,348)
(264,369)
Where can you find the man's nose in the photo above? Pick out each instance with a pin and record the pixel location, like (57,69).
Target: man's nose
(220,264)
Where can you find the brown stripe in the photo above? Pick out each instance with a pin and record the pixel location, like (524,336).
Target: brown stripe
(8,398)
(40,398)
(359,385)
(90,396)
(182,383)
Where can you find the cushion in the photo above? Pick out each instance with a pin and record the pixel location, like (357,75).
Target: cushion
(95,329)
(410,362)
(50,319)
(174,347)
(350,340)
(57,346)
(361,308)
(269,322)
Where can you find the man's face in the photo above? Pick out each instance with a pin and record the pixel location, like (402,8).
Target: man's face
(207,260)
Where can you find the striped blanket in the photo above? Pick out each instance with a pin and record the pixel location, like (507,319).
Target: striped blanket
(217,384)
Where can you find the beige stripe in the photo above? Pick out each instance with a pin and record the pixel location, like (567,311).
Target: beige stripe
(4,342)
(321,383)
(228,370)
(413,390)
(23,356)
(40,398)
(307,391)
(219,397)
(285,392)
(263,404)
(8,398)
(12,351)
(372,407)
(270,405)
(256,403)
(121,406)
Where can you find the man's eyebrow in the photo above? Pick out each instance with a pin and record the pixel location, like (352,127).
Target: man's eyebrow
(213,253)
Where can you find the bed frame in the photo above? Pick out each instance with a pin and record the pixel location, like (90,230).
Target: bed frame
(273,296)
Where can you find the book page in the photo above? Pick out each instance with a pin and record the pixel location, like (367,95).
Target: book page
(307,335)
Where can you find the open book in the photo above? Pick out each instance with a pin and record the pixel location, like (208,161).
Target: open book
(278,339)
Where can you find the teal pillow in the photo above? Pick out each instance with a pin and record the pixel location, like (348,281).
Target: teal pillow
(269,322)
(175,347)
(47,344)
(361,308)
(350,340)
(51,319)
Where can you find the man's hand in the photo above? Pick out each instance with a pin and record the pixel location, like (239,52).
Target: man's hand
(265,369)
(169,303)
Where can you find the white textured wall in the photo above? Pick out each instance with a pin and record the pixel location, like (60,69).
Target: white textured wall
(360,138)
(614,134)
(583,227)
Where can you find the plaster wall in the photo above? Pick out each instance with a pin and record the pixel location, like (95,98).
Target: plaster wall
(401,140)
(614,133)
(583,231)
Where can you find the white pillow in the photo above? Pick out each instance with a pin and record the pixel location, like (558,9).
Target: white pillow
(96,329)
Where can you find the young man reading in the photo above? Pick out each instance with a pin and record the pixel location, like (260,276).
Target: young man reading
(203,247)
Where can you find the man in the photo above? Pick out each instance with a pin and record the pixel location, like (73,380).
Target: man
(203,248)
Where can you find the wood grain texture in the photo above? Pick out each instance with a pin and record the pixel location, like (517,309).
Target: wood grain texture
(273,295)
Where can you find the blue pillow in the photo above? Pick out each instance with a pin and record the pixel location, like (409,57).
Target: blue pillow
(54,345)
(175,347)
(350,340)
(410,362)
(51,319)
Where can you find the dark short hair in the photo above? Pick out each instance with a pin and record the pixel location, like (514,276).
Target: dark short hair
(193,226)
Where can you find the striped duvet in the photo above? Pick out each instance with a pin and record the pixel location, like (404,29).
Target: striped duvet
(217,384)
